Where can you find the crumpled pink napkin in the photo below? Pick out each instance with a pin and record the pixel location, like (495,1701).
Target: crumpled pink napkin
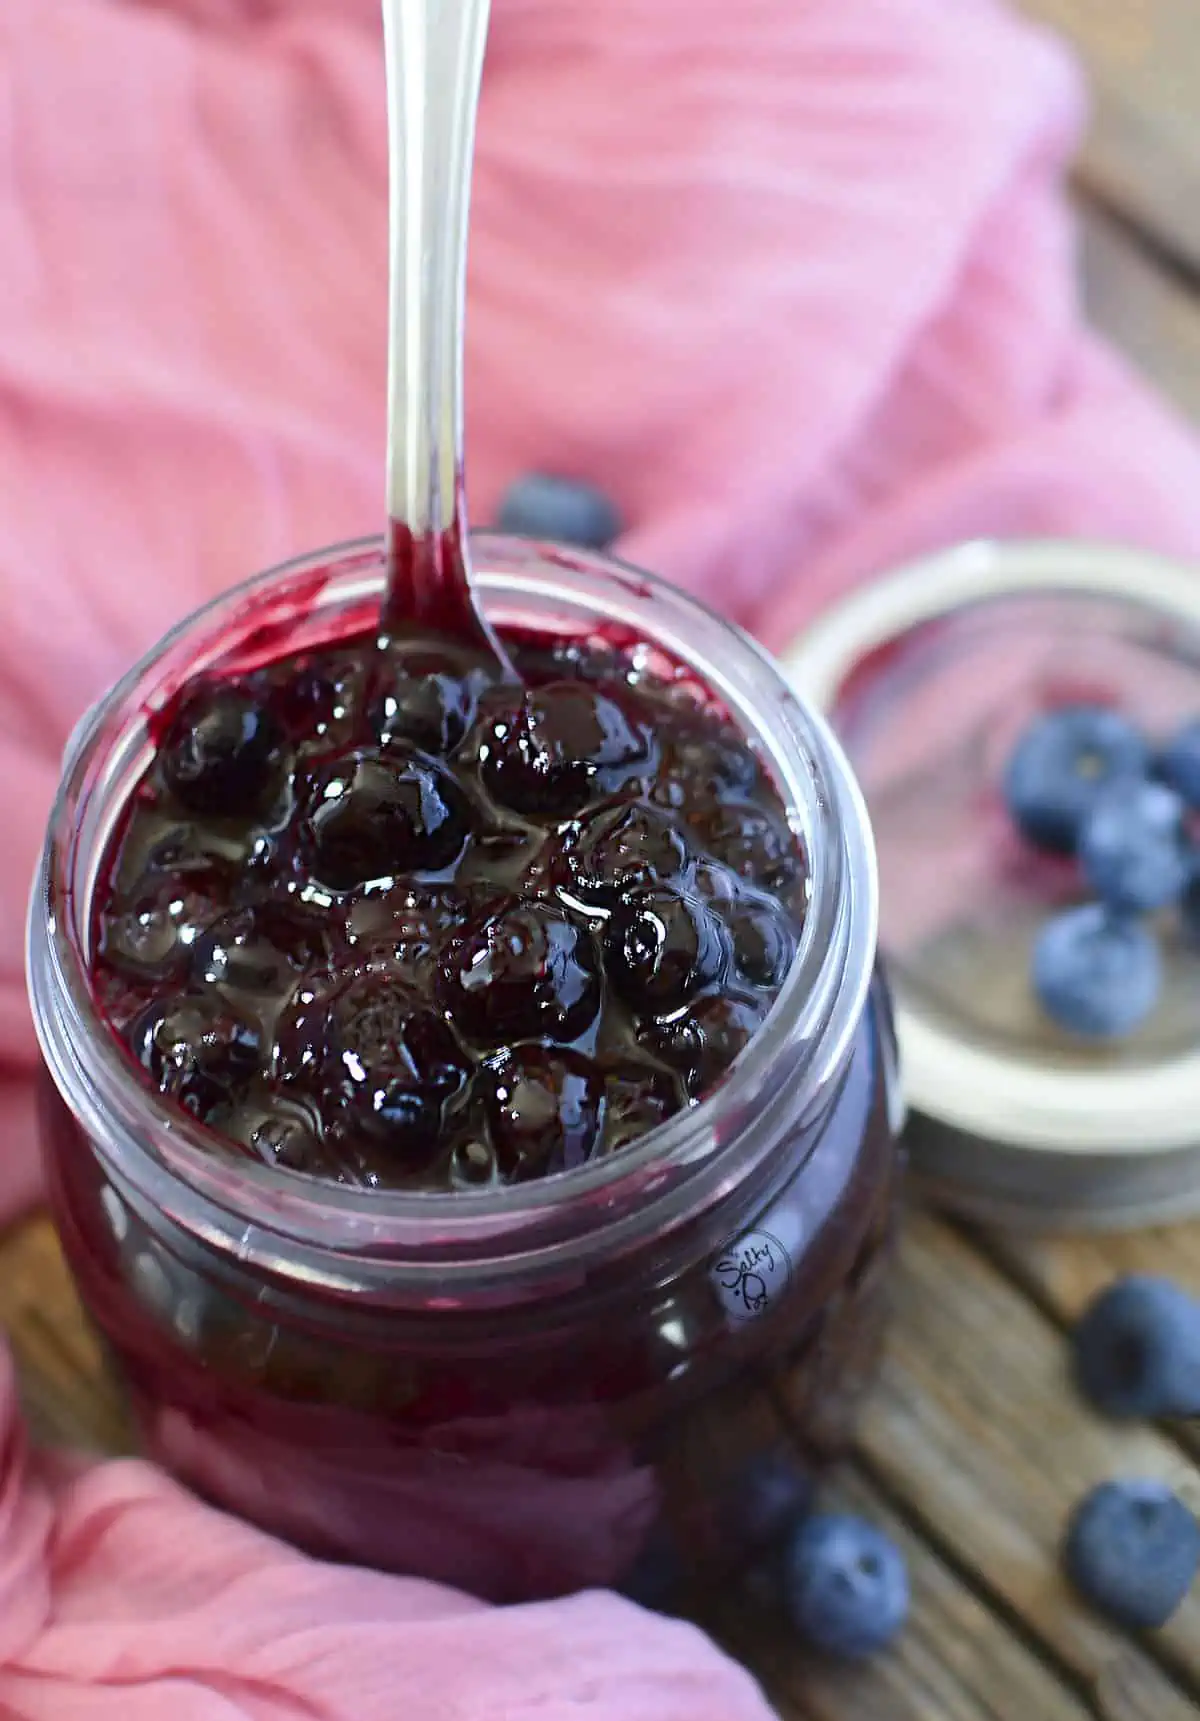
(791,279)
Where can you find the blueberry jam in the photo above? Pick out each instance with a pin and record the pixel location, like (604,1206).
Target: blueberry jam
(374,911)
(377,915)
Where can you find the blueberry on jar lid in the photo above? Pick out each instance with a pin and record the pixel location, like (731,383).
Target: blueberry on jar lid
(543,1110)
(372,818)
(1132,1549)
(1137,1349)
(196,1049)
(565,745)
(540,505)
(1132,849)
(223,752)
(662,946)
(1061,766)
(1096,975)
(522,971)
(1178,764)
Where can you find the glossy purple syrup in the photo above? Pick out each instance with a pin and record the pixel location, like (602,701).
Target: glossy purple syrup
(378,914)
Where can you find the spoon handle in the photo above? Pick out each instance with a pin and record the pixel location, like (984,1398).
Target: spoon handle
(434,53)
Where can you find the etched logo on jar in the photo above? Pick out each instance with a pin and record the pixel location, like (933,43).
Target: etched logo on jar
(750,1274)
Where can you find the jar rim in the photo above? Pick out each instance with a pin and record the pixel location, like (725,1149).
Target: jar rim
(707,1150)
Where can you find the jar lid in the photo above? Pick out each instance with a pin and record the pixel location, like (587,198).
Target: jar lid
(929,677)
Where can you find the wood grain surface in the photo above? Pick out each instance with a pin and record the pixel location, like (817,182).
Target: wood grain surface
(973,1447)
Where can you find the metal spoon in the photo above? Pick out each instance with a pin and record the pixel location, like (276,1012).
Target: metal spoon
(434,53)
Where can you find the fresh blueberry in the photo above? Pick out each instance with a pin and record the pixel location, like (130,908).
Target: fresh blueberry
(1094,974)
(540,505)
(658,1574)
(1179,762)
(1189,902)
(845,1586)
(1132,1549)
(770,1495)
(1131,846)
(1137,1349)
(1061,766)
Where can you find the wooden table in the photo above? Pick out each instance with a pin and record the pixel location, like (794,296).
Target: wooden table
(973,1447)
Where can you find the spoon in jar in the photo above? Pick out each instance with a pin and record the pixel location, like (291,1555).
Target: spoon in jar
(434,53)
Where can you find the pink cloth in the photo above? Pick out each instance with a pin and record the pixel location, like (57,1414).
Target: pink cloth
(805,307)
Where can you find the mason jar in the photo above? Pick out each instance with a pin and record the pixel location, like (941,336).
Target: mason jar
(524,1390)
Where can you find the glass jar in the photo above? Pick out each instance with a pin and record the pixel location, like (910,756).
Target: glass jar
(520,1392)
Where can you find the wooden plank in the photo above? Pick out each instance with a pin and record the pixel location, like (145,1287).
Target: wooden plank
(68,1396)
(1143,151)
(1146,311)
(976,1431)
(955,1661)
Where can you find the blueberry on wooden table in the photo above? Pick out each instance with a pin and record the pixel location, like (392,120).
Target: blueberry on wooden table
(1132,1549)
(1137,1349)
(1061,766)
(846,1588)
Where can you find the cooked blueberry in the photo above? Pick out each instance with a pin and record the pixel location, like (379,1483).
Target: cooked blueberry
(703,1042)
(319,698)
(373,818)
(1132,1550)
(524,971)
(472,1165)
(1094,974)
(1137,1349)
(280,1132)
(1062,765)
(662,946)
(1189,902)
(540,505)
(222,753)
(636,1100)
(235,953)
(846,1586)
(197,1050)
(1179,762)
(718,758)
(622,847)
(754,843)
(428,707)
(543,1111)
(1131,846)
(566,744)
(387,1062)
(153,938)
(763,942)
